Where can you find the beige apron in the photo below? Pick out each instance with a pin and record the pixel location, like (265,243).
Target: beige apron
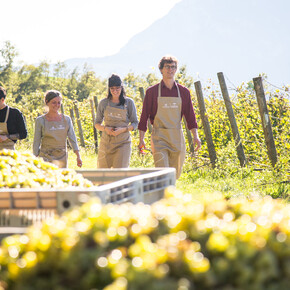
(7,144)
(53,144)
(167,140)
(115,151)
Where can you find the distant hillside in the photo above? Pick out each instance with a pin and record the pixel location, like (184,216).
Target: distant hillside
(240,38)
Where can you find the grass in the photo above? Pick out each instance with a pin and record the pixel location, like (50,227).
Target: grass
(227,178)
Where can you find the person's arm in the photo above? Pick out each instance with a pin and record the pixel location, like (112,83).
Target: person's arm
(79,160)
(16,126)
(100,118)
(142,126)
(145,113)
(21,127)
(73,141)
(71,134)
(37,136)
(141,139)
(190,118)
(132,114)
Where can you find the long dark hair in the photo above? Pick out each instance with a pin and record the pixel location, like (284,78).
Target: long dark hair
(121,97)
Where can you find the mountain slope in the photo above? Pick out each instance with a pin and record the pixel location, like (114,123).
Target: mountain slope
(240,38)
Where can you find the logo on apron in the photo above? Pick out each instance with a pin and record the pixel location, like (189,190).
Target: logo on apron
(170,106)
(115,115)
(58,127)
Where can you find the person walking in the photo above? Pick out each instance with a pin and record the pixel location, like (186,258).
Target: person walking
(12,124)
(119,115)
(165,104)
(52,131)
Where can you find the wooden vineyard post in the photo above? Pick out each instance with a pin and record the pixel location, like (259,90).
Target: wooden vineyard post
(266,123)
(189,137)
(72,116)
(205,123)
(230,111)
(62,109)
(142,94)
(95,130)
(76,110)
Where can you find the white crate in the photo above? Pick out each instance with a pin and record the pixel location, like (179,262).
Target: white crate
(22,207)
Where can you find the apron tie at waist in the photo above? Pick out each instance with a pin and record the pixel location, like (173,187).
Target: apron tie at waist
(55,150)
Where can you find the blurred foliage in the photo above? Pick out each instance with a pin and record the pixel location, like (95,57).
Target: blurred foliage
(179,242)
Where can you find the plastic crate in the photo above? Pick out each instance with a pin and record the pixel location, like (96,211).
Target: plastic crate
(22,207)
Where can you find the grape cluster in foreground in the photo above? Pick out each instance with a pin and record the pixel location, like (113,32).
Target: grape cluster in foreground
(179,242)
(24,170)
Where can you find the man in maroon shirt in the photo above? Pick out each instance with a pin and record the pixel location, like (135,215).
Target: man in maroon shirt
(165,104)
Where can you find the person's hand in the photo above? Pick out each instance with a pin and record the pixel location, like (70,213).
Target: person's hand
(142,144)
(3,138)
(109,130)
(117,131)
(79,162)
(196,143)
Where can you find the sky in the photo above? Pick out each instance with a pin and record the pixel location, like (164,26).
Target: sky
(55,30)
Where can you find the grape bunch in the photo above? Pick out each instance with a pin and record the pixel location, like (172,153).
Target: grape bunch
(24,170)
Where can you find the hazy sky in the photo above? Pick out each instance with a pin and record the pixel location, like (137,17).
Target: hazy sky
(56,30)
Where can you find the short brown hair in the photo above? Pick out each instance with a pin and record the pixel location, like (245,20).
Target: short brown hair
(49,95)
(2,93)
(167,59)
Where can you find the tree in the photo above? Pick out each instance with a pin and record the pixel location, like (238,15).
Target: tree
(8,54)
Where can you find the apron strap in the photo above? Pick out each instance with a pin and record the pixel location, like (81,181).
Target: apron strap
(7,115)
(159,90)
(64,119)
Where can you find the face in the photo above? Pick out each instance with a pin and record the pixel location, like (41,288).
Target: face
(115,91)
(2,103)
(169,69)
(54,104)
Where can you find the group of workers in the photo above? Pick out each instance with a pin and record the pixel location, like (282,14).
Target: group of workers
(164,105)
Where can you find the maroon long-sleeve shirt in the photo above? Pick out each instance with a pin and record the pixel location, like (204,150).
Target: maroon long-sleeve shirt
(150,105)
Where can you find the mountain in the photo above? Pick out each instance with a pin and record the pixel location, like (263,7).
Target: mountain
(240,38)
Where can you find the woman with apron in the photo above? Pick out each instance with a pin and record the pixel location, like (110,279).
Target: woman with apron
(52,131)
(119,115)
